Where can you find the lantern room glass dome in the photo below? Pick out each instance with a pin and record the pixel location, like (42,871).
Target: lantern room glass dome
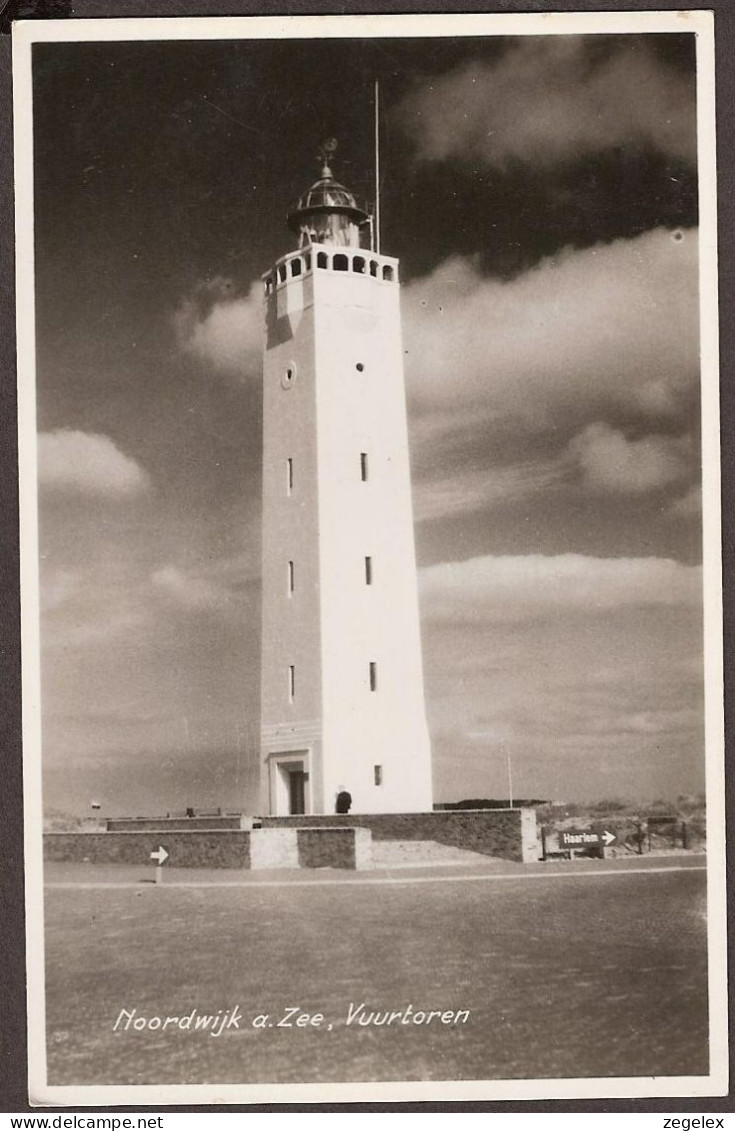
(328,213)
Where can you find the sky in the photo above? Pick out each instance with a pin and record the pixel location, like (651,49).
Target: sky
(541,195)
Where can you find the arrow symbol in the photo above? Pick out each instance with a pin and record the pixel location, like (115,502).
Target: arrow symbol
(160,856)
(608,838)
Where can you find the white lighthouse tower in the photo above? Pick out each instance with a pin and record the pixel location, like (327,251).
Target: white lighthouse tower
(342,683)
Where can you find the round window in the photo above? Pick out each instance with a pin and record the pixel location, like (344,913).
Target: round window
(289,375)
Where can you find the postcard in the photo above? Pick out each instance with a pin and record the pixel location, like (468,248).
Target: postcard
(369,468)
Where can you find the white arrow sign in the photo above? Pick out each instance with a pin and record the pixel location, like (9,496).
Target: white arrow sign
(608,838)
(160,856)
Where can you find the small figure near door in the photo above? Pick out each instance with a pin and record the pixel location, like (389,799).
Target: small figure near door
(343,802)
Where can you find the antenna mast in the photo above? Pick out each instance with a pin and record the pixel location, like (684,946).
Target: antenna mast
(377,167)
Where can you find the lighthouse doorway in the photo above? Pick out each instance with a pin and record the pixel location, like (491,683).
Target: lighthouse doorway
(296,792)
(290,784)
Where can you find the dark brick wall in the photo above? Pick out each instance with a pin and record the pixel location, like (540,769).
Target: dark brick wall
(492,832)
(170,824)
(206,849)
(326,848)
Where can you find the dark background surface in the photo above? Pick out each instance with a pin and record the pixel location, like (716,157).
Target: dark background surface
(13,1091)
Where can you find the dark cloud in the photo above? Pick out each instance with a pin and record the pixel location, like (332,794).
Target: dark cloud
(553,100)
(580,375)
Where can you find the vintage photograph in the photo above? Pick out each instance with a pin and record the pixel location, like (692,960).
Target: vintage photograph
(372,662)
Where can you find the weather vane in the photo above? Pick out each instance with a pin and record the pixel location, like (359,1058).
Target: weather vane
(326,151)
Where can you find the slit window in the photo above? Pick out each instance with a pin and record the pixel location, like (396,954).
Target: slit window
(290,578)
(388,274)
(295,267)
(373,268)
(289,476)
(307,260)
(368,571)
(363,466)
(321,259)
(291,682)
(378,775)
(282,272)
(373,676)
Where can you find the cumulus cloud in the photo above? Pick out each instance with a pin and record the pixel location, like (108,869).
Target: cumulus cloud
(59,586)
(216,586)
(513,588)
(551,100)
(221,327)
(508,368)
(610,462)
(104,602)
(479,488)
(688,505)
(183,589)
(653,721)
(614,324)
(99,604)
(87,463)
(576,687)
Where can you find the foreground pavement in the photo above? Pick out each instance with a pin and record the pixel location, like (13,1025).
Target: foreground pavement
(58,875)
(588,969)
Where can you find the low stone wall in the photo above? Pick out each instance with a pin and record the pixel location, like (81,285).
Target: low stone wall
(333,848)
(509,834)
(530,837)
(214,848)
(273,848)
(217,848)
(363,849)
(176,824)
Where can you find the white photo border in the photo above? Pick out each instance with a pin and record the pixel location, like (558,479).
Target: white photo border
(25,34)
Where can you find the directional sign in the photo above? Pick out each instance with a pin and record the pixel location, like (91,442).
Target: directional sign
(160,856)
(585,838)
